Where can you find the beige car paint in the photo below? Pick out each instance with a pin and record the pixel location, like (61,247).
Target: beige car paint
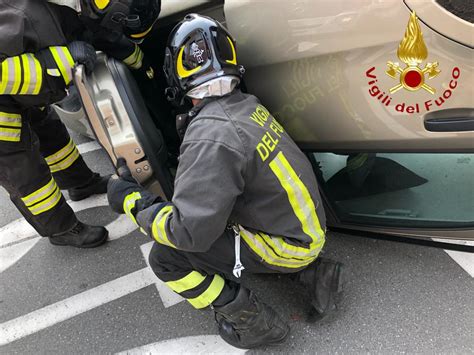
(441,20)
(308,61)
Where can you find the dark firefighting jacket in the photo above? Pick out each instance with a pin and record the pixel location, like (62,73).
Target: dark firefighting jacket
(239,168)
(35,63)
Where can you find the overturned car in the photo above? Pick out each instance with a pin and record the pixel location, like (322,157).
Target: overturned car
(378,94)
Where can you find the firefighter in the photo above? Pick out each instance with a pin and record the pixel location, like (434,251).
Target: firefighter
(245,199)
(40,44)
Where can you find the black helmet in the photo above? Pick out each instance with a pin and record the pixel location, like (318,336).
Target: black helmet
(199,49)
(135,18)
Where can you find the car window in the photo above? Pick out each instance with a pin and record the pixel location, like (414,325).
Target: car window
(399,189)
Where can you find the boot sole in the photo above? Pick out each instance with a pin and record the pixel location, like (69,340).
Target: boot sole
(87,246)
(281,340)
(337,287)
(276,342)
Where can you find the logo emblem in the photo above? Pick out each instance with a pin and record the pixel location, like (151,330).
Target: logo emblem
(197,52)
(412,51)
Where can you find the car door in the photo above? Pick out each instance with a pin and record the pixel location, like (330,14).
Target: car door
(380,96)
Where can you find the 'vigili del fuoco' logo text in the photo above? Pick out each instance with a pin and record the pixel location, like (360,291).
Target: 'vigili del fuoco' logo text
(413,76)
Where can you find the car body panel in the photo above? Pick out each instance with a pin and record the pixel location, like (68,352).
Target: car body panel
(312,65)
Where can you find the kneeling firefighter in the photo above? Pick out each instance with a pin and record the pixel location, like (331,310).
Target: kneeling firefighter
(38,48)
(245,199)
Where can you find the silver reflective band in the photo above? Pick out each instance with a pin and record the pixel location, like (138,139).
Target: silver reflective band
(73,4)
(215,87)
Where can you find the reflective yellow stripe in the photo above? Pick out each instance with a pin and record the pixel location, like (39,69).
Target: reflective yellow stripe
(4,82)
(10,119)
(158,228)
(32,75)
(39,76)
(47,204)
(210,295)
(66,163)
(182,71)
(287,250)
(300,199)
(234,56)
(259,247)
(132,57)
(188,282)
(60,154)
(129,204)
(134,60)
(16,75)
(39,194)
(69,58)
(64,60)
(26,74)
(10,134)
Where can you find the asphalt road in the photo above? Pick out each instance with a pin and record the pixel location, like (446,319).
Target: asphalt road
(399,298)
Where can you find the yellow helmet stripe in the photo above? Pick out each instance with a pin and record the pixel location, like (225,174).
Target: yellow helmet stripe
(234,55)
(182,71)
(142,34)
(101,4)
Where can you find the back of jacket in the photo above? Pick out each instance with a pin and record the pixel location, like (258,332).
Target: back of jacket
(239,166)
(28,26)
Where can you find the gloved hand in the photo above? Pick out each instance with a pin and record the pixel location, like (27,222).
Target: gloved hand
(124,184)
(145,72)
(120,186)
(83,53)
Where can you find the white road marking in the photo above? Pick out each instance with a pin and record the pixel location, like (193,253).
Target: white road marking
(120,227)
(20,228)
(88,147)
(168,297)
(18,237)
(463,259)
(10,255)
(60,311)
(16,231)
(201,344)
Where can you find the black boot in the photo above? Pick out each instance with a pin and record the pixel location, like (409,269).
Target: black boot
(81,236)
(247,323)
(324,280)
(97,185)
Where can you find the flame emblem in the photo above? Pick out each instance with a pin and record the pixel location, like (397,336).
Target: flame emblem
(412,51)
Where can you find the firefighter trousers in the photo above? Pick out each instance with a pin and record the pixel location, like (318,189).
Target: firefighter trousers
(206,278)
(38,160)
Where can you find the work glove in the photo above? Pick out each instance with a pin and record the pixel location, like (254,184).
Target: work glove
(119,187)
(83,53)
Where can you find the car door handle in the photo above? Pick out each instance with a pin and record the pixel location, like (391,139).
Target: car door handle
(450,120)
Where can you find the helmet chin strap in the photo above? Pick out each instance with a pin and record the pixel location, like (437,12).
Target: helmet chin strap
(73,4)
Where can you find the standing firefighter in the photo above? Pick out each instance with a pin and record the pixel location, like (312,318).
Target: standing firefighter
(38,48)
(245,200)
